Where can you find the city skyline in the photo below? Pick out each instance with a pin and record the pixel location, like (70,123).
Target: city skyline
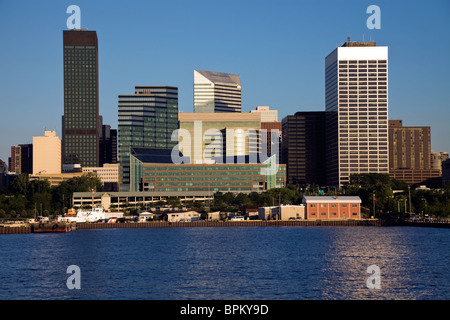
(279,55)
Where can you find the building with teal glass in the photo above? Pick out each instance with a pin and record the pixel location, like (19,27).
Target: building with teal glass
(153,171)
(146,119)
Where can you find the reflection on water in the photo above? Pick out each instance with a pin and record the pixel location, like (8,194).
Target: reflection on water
(228,263)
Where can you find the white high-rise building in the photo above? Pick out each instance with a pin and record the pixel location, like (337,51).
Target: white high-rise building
(216,92)
(356,89)
(47,154)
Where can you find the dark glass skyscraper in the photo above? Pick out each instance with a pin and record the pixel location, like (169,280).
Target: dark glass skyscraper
(81,123)
(146,120)
(303,148)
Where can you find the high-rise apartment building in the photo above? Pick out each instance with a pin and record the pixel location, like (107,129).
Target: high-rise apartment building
(216,92)
(303,148)
(21,160)
(147,119)
(356,89)
(47,154)
(409,147)
(81,123)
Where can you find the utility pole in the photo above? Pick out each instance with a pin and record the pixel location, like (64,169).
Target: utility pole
(409,192)
(373,200)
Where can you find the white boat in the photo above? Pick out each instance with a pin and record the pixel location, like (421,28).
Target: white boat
(93,215)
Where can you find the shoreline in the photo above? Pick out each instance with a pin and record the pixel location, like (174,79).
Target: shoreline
(248,223)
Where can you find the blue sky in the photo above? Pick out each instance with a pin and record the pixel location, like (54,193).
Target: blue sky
(277,47)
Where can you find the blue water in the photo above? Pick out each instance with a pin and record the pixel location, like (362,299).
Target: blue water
(289,263)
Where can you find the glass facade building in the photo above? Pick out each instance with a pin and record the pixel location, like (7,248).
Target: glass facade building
(81,123)
(153,171)
(147,119)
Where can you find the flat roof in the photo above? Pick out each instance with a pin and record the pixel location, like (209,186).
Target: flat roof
(324,199)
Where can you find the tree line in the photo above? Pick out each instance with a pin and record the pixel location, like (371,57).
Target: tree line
(379,194)
(27,199)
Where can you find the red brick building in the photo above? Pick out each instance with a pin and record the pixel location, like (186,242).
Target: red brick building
(326,207)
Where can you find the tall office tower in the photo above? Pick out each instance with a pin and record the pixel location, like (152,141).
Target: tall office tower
(147,119)
(267,115)
(21,160)
(47,154)
(216,92)
(81,124)
(218,135)
(356,89)
(409,147)
(108,145)
(272,128)
(303,148)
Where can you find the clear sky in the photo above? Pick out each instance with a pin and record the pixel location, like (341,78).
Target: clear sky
(278,47)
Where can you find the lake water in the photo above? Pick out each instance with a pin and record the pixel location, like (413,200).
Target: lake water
(222,263)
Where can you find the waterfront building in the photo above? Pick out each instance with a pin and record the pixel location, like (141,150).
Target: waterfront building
(216,92)
(283,212)
(81,124)
(21,160)
(218,134)
(154,171)
(47,154)
(303,148)
(147,119)
(115,201)
(267,115)
(329,207)
(356,89)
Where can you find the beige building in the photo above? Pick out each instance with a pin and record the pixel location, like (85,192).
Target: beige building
(284,212)
(185,216)
(56,178)
(267,115)
(47,154)
(108,173)
(206,135)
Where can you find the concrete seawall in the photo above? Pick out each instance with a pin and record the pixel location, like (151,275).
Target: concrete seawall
(273,223)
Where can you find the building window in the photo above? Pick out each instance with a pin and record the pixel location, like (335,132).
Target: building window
(344,205)
(312,205)
(354,205)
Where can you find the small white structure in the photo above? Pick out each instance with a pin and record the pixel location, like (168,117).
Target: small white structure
(186,216)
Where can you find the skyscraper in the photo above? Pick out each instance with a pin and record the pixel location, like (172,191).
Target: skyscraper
(147,119)
(356,89)
(81,123)
(303,148)
(21,160)
(216,92)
